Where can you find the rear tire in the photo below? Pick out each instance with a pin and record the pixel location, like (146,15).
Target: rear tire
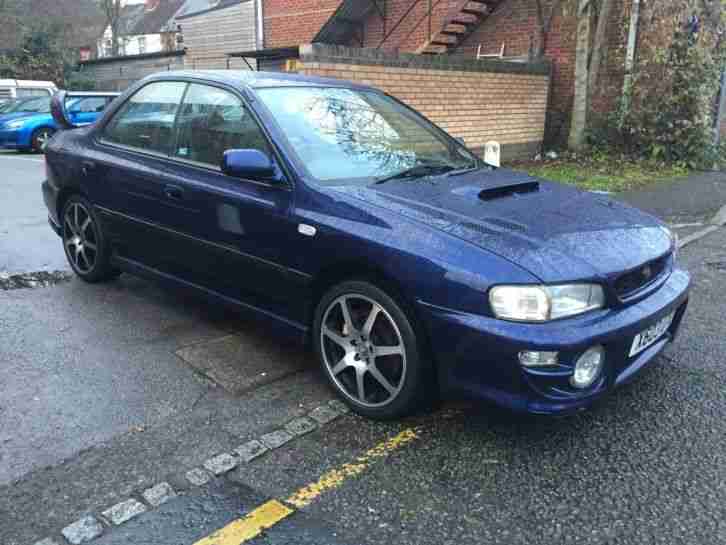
(369,351)
(40,139)
(85,245)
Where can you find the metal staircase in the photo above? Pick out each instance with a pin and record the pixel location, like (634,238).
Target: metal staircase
(462,19)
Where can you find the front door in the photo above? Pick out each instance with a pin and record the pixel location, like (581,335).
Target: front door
(240,225)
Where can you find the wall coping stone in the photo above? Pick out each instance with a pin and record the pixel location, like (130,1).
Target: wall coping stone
(319,52)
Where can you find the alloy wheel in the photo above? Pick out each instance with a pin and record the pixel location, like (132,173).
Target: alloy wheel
(363,350)
(80,238)
(42,138)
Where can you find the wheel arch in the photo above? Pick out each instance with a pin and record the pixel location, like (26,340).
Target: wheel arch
(63,195)
(41,127)
(363,270)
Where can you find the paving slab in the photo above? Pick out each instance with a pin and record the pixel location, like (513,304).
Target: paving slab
(276,439)
(83,530)
(220,464)
(124,511)
(198,476)
(250,450)
(158,494)
(300,426)
(246,360)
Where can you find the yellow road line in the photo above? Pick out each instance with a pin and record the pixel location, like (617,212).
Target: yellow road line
(335,477)
(241,530)
(272,512)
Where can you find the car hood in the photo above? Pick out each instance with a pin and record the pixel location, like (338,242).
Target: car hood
(556,232)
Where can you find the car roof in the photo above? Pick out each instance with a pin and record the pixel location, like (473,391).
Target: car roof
(250,79)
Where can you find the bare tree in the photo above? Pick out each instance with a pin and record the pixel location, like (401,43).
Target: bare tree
(112,11)
(544,24)
(588,57)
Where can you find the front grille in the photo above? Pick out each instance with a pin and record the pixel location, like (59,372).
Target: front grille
(630,282)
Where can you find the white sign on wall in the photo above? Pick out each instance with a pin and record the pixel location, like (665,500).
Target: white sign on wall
(493,153)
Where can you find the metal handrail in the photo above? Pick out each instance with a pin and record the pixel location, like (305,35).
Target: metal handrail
(398,23)
(421,20)
(450,17)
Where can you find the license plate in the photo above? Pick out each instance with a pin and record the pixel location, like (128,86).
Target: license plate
(648,337)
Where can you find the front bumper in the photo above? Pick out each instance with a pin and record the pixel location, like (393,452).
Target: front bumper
(50,197)
(478,355)
(10,139)
(15,138)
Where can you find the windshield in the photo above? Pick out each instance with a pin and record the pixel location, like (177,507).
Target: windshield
(349,135)
(40,105)
(6,106)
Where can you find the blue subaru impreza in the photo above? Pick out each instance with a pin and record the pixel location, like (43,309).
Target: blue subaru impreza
(339,215)
(28,124)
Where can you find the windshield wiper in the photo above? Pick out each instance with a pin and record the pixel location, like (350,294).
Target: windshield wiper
(460,171)
(418,171)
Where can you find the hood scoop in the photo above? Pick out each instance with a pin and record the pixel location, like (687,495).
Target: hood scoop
(501,191)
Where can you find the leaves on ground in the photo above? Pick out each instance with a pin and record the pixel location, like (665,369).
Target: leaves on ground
(602,172)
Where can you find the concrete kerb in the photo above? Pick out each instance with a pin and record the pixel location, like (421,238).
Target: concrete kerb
(92,526)
(718,221)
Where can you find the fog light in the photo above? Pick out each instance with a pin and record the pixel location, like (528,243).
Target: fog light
(588,367)
(530,358)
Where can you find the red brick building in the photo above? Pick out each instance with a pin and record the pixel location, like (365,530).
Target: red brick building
(459,28)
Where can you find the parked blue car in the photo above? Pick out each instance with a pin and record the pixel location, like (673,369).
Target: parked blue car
(337,214)
(28,124)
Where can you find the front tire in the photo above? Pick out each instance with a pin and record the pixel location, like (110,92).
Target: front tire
(40,139)
(369,351)
(85,245)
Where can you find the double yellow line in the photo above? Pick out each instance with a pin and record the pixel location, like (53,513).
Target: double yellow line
(272,512)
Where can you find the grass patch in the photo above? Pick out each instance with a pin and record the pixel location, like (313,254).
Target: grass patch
(602,172)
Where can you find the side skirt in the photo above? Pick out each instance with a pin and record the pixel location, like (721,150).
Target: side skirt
(288,328)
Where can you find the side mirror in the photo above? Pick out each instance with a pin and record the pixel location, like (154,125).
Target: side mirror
(248,163)
(460,140)
(59,112)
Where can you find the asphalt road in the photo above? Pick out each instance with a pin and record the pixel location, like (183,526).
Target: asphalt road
(26,242)
(110,389)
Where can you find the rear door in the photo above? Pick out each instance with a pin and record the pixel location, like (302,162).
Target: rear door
(133,189)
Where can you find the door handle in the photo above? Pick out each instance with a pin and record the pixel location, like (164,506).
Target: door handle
(174,192)
(87,167)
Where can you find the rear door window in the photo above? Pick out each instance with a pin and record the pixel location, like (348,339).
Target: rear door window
(146,120)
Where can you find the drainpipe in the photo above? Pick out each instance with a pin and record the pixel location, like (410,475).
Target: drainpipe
(260,26)
(630,53)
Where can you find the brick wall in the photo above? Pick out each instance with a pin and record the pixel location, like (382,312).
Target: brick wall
(513,24)
(476,100)
(292,22)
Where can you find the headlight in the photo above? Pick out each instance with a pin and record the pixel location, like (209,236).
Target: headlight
(15,124)
(543,303)
(674,240)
